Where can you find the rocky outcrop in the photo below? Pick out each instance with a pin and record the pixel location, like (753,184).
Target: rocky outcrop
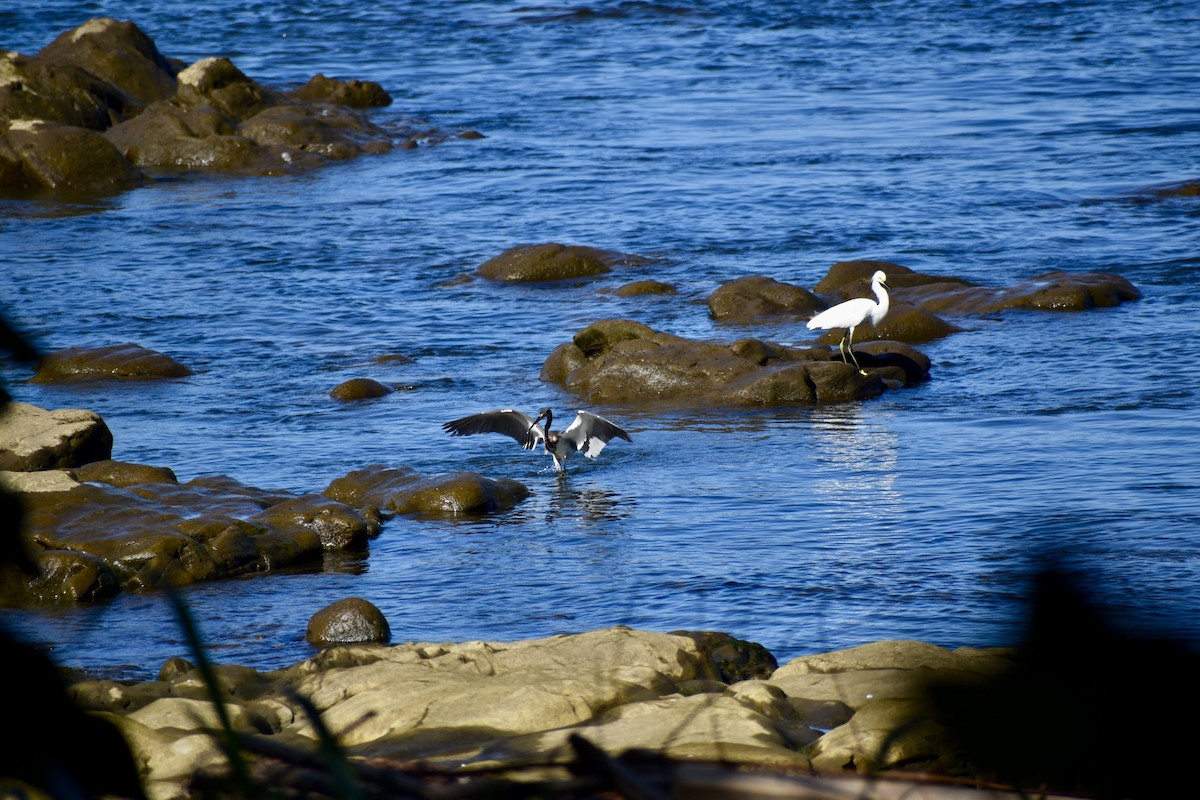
(92,540)
(95,527)
(118,361)
(33,438)
(100,108)
(554,262)
(475,706)
(621,361)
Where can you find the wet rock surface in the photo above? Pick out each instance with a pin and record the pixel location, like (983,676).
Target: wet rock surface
(622,361)
(360,389)
(95,527)
(348,621)
(100,109)
(118,361)
(553,262)
(401,490)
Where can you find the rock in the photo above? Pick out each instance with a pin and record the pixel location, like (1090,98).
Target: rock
(757,297)
(403,491)
(884,734)
(552,262)
(354,93)
(621,361)
(733,659)
(338,526)
(121,473)
(119,54)
(639,288)
(359,389)
(121,361)
(1053,291)
(348,621)
(143,529)
(495,706)
(45,155)
(900,654)
(33,438)
(35,89)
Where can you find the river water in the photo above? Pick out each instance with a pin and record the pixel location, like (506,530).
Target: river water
(993,141)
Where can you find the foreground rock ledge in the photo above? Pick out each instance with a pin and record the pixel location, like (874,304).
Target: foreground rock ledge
(485,705)
(622,361)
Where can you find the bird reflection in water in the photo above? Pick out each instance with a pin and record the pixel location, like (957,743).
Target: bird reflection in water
(592,504)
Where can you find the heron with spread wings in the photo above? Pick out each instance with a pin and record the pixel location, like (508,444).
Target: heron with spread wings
(588,433)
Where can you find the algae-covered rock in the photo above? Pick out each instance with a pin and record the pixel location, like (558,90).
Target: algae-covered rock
(758,297)
(402,490)
(352,93)
(118,361)
(622,361)
(50,156)
(552,261)
(347,621)
(359,389)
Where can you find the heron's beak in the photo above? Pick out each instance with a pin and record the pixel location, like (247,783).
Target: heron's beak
(540,417)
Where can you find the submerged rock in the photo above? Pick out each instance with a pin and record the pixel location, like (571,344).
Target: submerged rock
(120,361)
(402,490)
(621,361)
(552,262)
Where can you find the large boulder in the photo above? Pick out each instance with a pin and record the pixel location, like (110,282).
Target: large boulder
(622,361)
(33,438)
(40,155)
(118,53)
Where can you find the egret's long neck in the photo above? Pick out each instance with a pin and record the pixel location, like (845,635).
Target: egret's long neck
(549,418)
(881,308)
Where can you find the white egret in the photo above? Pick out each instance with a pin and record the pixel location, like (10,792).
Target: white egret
(852,313)
(588,433)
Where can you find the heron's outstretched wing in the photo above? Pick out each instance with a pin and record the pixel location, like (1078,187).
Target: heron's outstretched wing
(507,421)
(590,433)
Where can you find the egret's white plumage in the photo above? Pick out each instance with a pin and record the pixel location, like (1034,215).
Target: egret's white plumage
(588,433)
(852,313)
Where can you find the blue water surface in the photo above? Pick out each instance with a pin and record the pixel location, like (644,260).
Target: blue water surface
(992,141)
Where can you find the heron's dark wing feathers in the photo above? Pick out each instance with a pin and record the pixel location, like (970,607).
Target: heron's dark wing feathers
(507,421)
(590,432)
